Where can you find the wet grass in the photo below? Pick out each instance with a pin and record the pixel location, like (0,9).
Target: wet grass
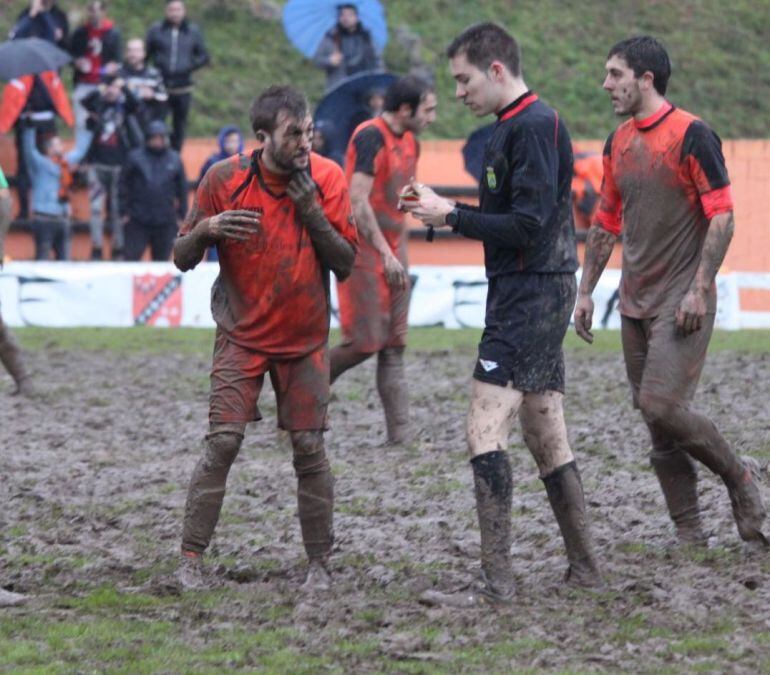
(199,341)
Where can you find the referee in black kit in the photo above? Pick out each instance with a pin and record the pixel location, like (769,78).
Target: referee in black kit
(524,219)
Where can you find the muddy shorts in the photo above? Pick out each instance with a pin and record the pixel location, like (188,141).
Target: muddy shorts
(527,318)
(373,316)
(301,386)
(660,361)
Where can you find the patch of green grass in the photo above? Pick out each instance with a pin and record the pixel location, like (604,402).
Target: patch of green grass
(199,341)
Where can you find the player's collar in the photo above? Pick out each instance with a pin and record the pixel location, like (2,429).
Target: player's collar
(654,119)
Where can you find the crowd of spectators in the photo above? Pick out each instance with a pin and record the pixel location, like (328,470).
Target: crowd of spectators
(123,95)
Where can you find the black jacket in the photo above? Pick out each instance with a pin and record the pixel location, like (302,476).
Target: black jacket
(176,57)
(115,126)
(358,54)
(147,76)
(524,215)
(153,188)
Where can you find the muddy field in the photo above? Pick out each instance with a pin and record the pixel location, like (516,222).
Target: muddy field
(93,485)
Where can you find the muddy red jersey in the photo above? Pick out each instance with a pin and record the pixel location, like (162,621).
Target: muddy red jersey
(392,161)
(664,179)
(271,294)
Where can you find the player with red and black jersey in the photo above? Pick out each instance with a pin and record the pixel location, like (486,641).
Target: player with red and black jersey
(666,187)
(280,220)
(374,301)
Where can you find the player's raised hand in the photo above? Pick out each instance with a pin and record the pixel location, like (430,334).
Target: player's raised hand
(584,313)
(302,191)
(238,224)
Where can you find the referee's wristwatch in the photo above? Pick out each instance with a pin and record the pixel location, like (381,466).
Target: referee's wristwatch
(452,219)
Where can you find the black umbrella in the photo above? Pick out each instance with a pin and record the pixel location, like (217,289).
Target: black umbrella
(344,107)
(29,56)
(474,149)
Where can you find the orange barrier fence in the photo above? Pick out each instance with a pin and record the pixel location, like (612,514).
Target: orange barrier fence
(441,165)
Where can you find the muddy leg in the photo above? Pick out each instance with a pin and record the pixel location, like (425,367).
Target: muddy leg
(545,433)
(493,409)
(344,357)
(315,503)
(391,385)
(697,435)
(10,355)
(207,487)
(678,480)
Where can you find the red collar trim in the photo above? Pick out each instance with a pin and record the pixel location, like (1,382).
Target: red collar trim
(653,119)
(524,103)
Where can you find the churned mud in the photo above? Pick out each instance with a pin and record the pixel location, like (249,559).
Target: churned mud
(94,478)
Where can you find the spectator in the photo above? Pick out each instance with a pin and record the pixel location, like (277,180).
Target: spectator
(51,176)
(153,195)
(96,48)
(35,97)
(116,131)
(347,48)
(323,132)
(587,174)
(176,47)
(230,141)
(44,20)
(144,82)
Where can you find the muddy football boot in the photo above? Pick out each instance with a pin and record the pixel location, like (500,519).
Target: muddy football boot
(9,599)
(317,579)
(748,510)
(190,574)
(565,492)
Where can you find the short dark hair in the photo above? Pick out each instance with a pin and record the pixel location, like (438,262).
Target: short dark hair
(265,108)
(409,89)
(644,53)
(347,5)
(102,4)
(485,42)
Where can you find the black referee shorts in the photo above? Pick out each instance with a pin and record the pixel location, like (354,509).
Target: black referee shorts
(526,320)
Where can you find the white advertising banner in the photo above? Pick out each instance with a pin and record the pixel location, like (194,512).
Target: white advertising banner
(157,294)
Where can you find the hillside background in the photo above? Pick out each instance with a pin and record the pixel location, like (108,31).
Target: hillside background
(719,49)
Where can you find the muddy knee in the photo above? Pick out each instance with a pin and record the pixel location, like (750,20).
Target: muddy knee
(222,448)
(309,452)
(544,431)
(658,413)
(391,357)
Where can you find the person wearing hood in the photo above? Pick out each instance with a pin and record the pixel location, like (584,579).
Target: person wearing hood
(347,48)
(230,140)
(97,51)
(152,196)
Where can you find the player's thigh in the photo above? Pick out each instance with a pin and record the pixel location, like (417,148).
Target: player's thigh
(674,362)
(364,301)
(302,390)
(635,334)
(237,375)
(490,418)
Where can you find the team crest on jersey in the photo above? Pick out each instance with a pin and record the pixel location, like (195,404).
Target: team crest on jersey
(491,178)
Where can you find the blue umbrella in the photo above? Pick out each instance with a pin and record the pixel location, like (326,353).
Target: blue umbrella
(474,149)
(306,22)
(345,107)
